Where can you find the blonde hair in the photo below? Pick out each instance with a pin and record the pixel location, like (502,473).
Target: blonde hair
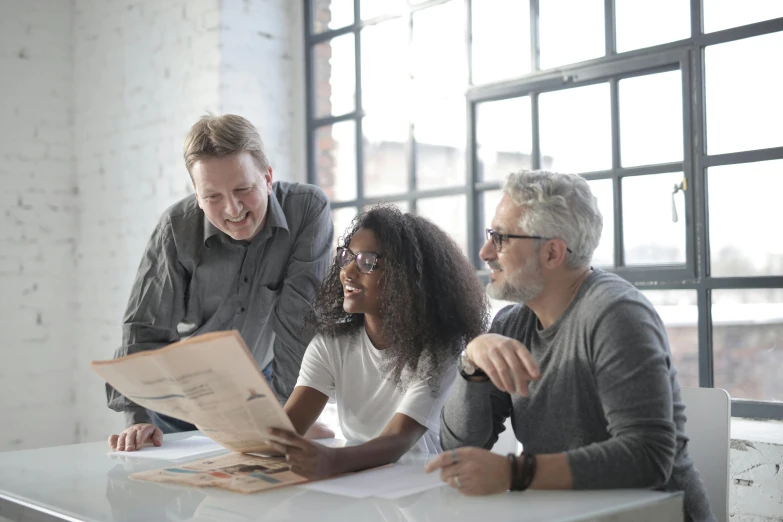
(217,136)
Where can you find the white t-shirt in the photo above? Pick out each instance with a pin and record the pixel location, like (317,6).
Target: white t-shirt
(347,369)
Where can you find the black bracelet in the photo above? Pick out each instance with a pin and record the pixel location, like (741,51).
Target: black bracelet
(512,460)
(522,476)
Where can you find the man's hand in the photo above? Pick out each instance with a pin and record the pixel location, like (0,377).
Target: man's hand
(133,438)
(309,459)
(507,362)
(473,471)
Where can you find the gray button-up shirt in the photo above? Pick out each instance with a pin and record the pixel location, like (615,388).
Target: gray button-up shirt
(194,279)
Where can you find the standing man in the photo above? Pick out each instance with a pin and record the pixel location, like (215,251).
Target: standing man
(241,253)
(581,365)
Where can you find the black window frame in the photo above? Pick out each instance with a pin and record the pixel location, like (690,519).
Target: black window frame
(686,55)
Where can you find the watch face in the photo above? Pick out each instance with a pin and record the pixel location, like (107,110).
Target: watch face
(467,367)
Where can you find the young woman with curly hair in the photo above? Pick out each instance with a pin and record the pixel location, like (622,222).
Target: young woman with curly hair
(398,305)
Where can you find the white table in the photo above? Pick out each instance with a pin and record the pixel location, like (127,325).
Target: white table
(81,482)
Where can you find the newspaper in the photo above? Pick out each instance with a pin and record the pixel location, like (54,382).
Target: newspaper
(209,380)
(233,471)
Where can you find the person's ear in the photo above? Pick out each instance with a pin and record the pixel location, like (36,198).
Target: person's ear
(554,253)
(268,180)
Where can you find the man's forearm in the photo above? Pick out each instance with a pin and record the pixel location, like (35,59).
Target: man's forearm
(473,415)
(552,472)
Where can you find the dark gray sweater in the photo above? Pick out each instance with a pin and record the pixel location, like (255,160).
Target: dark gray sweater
(608,396)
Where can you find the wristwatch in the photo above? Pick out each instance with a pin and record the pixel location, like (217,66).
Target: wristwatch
(469,370)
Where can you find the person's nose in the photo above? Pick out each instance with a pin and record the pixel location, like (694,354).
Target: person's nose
(233,206)
(488,252)
(351,271)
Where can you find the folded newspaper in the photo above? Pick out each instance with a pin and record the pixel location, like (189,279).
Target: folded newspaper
(213,382)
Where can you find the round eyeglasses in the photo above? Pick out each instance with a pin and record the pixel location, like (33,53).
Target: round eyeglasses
(365,261)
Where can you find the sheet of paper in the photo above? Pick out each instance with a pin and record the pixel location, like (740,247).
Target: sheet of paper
(400,493)
(377,482)
(331,443)
(175,449)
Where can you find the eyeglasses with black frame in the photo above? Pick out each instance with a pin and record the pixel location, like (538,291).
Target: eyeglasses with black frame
(365,261)
(497,239)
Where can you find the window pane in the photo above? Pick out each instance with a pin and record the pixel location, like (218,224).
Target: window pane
(402,205)
(745,213)
(680,314)
(439,80)
(723,14)
(439,129)
(603,190)
(650,234)
(571,31)
(651,119)
(385,76)
(373,8)
(331,14)
(576,133)
(385,157)
(744,106)
(385,98)
(504,141)
(747,326)
(489,201)
(335,85)
(501,39)
(651,22)
(448,213)
(438,50)
(336,160)
(341,218)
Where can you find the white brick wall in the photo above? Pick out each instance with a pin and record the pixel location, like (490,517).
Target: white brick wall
(262,76)
(38,223)
(144,72)
(95,99)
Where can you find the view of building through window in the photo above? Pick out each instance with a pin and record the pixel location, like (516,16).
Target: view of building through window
(410,112)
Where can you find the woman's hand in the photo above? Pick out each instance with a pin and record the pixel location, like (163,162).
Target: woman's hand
(309,459)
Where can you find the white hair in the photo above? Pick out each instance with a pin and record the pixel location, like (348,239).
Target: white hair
(558,206)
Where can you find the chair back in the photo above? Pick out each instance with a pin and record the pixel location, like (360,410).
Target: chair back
(708,412)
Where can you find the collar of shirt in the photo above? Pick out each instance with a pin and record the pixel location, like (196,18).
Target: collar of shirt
(275,217)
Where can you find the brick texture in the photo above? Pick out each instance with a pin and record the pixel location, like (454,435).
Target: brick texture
(95,98)
(38,219)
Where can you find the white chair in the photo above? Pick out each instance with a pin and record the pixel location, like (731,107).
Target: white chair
(708,426)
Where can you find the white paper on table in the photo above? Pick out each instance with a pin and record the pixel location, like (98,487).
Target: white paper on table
(400,493)
(175,449)
(331,443)
(401,478)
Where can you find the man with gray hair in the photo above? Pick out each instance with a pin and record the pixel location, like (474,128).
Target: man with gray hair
(242,253)
(581,365)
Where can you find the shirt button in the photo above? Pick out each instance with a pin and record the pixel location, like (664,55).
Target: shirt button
(246,279)
(241,310)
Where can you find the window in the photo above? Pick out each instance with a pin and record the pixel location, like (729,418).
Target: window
(668,108)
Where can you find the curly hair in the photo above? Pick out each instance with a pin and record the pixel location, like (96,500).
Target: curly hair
(432,303)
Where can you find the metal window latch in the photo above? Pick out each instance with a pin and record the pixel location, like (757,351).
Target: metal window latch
(681,186)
